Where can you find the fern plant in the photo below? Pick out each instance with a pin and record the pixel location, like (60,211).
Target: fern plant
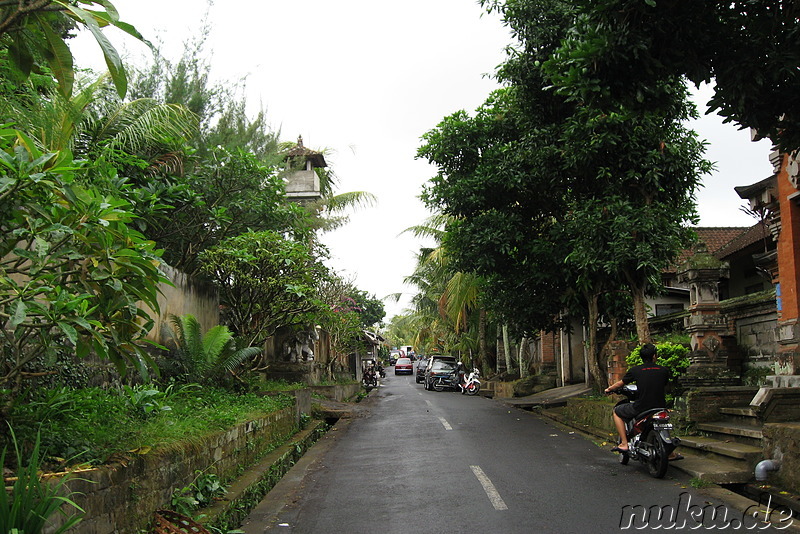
(211,357)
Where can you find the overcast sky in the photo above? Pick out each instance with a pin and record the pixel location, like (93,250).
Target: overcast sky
(364,80)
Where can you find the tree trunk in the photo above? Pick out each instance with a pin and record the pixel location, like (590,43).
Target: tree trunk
(507,349)
(640,314)
(523,364)
(482,354)
(498,360)
(600,379)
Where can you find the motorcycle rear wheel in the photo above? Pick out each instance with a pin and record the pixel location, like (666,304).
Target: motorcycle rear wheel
(658,462)
(438,386)
(473,389)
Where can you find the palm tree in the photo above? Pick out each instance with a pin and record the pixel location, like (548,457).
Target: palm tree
(455,294)
(95,122)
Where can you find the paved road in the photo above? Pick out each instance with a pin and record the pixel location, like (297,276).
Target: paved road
(433,462)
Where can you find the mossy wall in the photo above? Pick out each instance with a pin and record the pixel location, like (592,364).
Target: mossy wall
(782,442)
(122,497)
(591,415)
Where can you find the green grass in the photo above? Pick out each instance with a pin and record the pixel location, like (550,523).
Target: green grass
(91,425)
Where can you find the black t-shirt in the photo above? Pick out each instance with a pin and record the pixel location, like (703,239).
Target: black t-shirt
(651,380)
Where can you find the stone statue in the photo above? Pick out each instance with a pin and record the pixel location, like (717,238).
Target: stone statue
(300,347)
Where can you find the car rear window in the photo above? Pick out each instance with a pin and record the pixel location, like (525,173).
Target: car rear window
(403,361)
(441,364)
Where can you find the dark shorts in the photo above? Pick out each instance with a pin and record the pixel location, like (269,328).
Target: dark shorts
(626,411)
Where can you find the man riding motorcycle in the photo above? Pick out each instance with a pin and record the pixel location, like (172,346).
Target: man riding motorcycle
(651,380)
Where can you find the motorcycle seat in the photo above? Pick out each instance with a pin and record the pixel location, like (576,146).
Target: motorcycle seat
(649,412)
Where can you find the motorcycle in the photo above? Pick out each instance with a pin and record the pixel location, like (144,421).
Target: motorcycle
(471,385)
(370,379)
(441,379)
(650,438)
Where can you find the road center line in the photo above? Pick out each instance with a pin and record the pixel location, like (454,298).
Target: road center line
(445,424)
(489,488)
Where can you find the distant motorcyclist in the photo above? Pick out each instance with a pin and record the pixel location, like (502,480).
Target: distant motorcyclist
(461,376)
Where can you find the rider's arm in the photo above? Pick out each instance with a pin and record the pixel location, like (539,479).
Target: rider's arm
(616,385)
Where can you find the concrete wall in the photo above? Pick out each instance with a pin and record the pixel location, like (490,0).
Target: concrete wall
(338,392)
(186,296)
(121,498)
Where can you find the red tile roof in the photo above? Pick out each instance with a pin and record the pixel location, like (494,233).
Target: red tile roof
(715,238)
(751,235)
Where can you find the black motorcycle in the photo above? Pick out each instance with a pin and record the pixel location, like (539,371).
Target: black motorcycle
(370,379)
(650,439)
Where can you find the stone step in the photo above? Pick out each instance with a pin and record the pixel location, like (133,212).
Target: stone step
(715,470)
(704,445)
(742,415)
(732,432)
(733,429)
(740,411)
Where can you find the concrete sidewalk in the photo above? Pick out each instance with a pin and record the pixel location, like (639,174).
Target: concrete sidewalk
(548,398)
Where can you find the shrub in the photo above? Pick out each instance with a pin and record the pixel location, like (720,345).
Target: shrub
(32,500)
(673,356)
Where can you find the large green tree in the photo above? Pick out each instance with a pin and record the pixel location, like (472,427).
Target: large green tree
(524,176)
(623,49)
(265,281)
(73,273)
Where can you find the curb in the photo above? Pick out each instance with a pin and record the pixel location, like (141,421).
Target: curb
(250,488)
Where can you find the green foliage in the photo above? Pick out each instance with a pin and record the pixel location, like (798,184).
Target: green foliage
(90,425)
(227,194)
(622,50)
(208,358)
(33,34)
(699,483)
(33,501)
(265,281)
(305,419)
(145,401)
(756,376)
(673,356)
(369,308)
(74,273)
(200,493)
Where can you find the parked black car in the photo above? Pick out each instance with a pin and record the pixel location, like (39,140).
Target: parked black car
(419,374)
(426,364)
(441,374)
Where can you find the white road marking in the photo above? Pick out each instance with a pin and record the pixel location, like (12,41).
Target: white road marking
(429,403)
(445,424)
(489,488)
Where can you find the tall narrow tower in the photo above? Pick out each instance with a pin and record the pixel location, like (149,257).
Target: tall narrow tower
(302,182)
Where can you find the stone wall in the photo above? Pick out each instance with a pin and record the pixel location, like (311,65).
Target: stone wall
(338,392)
(122,497)
(590,415)
(782,442)
(754,319)
(703,404)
